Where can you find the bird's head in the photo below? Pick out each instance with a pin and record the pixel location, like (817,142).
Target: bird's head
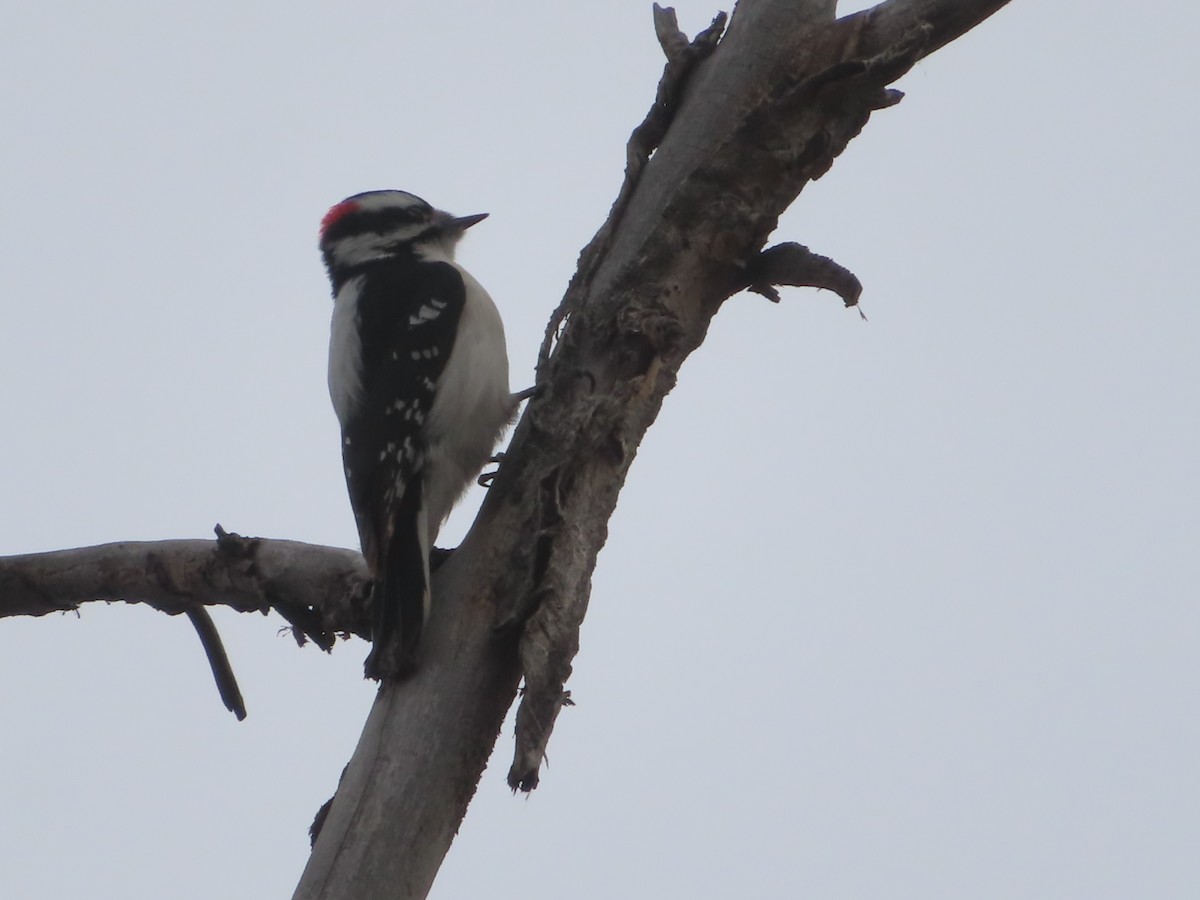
(380,224)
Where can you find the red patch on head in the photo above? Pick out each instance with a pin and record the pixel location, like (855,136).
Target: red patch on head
(342,209)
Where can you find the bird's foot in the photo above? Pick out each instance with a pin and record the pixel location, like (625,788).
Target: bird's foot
(485,479)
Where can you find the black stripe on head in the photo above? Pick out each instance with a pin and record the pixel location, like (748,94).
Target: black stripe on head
(374,212)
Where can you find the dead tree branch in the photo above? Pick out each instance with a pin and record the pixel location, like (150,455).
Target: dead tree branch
(743,119)
(218,661)
(740,125)
(319,590)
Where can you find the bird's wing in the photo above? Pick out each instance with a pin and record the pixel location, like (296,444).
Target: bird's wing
(408,317)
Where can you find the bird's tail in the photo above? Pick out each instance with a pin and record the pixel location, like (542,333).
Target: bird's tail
(401,592)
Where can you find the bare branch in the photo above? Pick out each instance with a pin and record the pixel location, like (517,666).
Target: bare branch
(743,120)
(682,59)
(886,24)
(797,266)
(757,118)
(218,660)
(766,112)
(317,589)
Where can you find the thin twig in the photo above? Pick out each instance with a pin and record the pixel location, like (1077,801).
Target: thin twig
(222,671)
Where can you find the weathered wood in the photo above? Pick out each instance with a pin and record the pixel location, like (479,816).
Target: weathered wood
(319,590)
(742,122)
(777,100)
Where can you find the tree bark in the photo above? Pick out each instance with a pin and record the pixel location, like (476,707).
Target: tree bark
(747,125)
(321,591)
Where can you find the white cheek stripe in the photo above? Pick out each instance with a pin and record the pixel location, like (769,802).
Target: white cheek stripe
(357,249)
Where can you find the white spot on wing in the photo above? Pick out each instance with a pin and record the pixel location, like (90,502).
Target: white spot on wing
(356,249)
(427,313)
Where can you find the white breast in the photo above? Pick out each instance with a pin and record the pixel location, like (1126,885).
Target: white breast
(472,406)
(345,352)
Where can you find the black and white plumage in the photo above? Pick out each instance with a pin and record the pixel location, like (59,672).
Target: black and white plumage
(418,375)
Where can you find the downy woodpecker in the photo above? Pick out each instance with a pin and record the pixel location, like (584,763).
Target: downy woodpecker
(418,375)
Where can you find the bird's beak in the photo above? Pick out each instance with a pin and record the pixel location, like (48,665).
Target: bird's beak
(462,223)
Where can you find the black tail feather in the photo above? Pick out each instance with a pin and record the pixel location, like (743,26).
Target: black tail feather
(399,593)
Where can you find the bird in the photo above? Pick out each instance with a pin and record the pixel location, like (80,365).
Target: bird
(418,377)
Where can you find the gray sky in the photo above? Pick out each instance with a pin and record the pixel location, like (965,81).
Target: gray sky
(903,609)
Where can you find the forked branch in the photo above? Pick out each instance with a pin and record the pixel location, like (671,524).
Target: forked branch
(744,119)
